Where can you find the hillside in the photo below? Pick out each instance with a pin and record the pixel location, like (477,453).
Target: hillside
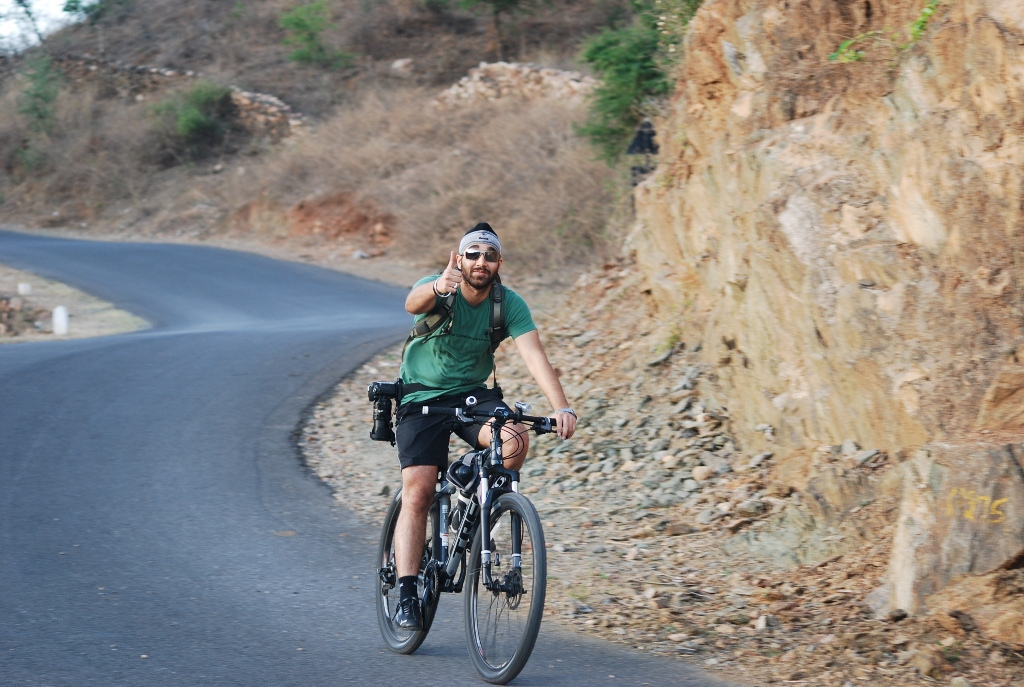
(243,43)
(374,159)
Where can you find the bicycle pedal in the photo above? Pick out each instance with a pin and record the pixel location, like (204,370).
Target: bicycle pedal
(387,578)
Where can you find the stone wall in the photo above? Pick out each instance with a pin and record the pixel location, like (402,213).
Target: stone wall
(845,241)
(258,113)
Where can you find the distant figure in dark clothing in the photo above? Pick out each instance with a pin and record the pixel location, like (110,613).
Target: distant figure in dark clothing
(643,143)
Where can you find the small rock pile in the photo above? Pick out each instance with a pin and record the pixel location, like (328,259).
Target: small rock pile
(264,115)
(492,81)
(640,506)
(18,317)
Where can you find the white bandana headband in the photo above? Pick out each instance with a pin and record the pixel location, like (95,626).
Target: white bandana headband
(479,236)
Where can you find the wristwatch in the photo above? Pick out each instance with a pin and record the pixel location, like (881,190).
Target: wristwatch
(568,410)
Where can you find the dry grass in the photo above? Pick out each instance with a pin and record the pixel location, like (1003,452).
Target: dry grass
(518,165)
(98,152)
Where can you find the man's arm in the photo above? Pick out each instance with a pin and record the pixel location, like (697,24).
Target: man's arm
(422,298)
(530,348)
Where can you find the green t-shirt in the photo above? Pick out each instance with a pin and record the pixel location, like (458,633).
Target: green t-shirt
(457,359)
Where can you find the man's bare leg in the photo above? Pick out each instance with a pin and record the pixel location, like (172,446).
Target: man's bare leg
(410,532)
(515,444)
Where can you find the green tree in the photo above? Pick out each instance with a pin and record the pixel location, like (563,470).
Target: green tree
(633,63)
(30,14)
(38,100)
(305,26)
(630,77)
(500,9)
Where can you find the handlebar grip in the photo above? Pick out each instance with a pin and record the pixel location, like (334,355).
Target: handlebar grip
(427,410)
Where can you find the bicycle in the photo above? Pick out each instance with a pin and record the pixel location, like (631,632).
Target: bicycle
(492,541)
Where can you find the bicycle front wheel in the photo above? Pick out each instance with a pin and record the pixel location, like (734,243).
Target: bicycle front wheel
(502,622)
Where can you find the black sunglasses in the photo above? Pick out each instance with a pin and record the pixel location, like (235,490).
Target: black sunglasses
(474,255)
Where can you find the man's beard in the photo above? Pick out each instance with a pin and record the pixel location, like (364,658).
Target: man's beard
(479,281)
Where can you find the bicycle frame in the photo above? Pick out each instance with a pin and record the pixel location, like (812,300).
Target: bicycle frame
(490,471)
(493,461)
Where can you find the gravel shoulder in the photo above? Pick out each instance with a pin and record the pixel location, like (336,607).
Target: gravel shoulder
(643,511)
(88,316)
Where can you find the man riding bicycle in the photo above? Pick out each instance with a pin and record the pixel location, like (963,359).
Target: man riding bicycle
(445,366)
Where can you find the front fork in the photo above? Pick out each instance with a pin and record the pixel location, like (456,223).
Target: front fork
(485,496)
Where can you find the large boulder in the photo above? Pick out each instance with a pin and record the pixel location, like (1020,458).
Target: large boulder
(961,513)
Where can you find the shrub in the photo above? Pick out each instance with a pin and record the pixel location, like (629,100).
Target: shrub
(305,25)
(99,151)
(195,122)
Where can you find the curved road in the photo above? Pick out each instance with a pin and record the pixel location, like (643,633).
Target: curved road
(156,524)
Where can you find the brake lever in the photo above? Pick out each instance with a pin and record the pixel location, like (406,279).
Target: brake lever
(544,426)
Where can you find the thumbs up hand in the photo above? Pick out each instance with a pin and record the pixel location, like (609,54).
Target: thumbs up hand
(450,279)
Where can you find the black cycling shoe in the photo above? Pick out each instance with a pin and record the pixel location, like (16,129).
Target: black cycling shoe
(409,616)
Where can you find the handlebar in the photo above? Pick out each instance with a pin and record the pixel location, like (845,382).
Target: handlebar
(540,425)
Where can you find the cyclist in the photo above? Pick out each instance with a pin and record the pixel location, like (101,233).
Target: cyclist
(443,368)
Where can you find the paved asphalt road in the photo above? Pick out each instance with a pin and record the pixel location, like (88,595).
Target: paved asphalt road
(146,481)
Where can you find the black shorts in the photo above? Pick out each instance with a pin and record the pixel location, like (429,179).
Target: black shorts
(423,439)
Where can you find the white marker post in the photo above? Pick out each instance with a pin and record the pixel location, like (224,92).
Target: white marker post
(60,321)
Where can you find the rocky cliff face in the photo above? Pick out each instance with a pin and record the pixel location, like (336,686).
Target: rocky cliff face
(845,239)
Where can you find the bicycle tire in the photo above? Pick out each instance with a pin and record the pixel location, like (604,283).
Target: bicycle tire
(502,627)
(386,601)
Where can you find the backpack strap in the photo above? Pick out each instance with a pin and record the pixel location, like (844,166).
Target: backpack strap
(496,332)
(435,319)
(437,316)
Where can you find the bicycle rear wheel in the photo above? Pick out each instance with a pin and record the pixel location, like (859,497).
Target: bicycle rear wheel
(502,625)
(386,588)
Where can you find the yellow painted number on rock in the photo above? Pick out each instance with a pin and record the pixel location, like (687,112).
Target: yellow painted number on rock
(964,502)
(994,511)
